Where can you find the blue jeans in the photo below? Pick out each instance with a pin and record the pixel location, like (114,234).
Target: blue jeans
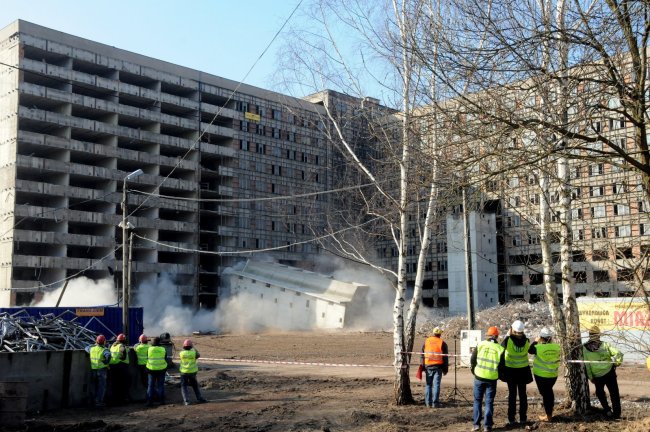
(156,386)
(433,378)
(489,390)
(99,378)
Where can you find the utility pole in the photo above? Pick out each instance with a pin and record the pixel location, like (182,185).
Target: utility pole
(126,277)
(468,266)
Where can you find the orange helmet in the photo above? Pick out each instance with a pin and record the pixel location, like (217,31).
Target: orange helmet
(121,337)
(187,343)
(143,338)
(101,340)
(493,331)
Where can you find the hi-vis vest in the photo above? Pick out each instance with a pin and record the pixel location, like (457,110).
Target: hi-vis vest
(488,355)
(156,358)
(605,353)
(188,361)
(141,351)
(97,357)
(432,349)
(547,360)
(115,354)
(517,357)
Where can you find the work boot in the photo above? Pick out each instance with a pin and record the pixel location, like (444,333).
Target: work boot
(186,403)
(202,400)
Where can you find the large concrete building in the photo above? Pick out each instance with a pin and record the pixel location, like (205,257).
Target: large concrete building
(77,117)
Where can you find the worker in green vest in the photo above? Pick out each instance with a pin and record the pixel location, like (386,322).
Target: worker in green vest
(141,351)
(157,368)
(545,369)
(601,360)
(486,363)
(517,372)
(100,358)
(119,373)
(189,369)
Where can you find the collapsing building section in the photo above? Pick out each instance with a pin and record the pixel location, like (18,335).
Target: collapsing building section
(291,298)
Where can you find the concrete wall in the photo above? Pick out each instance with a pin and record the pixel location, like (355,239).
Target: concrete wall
(57,379)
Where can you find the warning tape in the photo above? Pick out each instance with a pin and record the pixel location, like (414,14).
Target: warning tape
(460,355)
(292,363)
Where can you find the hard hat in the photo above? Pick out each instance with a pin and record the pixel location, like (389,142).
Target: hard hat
(143,338)
(187,343)
(121,337)
(437,331)
(518,326)
(546,333)
(101,340)
(493,331)
(594,330)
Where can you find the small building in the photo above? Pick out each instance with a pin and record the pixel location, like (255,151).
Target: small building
(292,298)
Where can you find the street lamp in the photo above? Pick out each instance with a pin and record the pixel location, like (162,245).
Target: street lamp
(125,267)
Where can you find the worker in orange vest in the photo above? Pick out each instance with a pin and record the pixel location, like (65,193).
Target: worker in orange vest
(436,364)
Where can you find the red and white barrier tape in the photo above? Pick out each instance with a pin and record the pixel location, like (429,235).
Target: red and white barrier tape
(226,360)
(460,355)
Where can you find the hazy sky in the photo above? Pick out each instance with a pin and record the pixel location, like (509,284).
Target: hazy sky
(221,37)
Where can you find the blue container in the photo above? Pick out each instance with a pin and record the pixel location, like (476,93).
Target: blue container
(106,320)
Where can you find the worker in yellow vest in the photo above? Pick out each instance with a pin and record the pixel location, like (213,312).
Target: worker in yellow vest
(119,373)
(189,369)
(545,369)
(100,357)
(517,372)
(601,360)
(435,366)
(157,368)
(486,363)
(141,351)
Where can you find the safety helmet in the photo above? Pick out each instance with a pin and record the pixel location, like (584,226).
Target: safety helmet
(437,331)
(101,340)
(546,333)
(518,326)
(493,331)
(143,338)
(594,330)
(187,343)
(121,337)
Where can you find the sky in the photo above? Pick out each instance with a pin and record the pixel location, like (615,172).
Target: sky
(221,37)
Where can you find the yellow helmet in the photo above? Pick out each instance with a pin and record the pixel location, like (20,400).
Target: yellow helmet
(437,331)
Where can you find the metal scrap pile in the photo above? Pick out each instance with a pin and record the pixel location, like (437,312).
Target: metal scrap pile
(534,315)
(20,332)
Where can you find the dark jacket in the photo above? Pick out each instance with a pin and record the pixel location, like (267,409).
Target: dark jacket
(516,375)
(501,367)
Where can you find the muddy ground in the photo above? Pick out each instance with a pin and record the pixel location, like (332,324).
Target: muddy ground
(281,396)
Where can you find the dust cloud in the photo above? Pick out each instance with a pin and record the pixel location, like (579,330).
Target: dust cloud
(81,291)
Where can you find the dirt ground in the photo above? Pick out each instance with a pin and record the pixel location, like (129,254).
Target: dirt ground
(276,394)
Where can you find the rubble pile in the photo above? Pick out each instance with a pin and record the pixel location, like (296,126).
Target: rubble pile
(20,332)
(534,315)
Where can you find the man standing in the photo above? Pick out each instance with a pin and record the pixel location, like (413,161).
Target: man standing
(435,366)
(545,369)
(517,372)
(100,358)
(156,367)
(189,369)
(120,379)
(141,349)
(486,362)
(601,360)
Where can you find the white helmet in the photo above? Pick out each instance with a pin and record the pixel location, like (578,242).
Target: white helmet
(518,326)
(546,333)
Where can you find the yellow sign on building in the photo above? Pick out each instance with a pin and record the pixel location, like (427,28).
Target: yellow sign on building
(615,314)
(252,117)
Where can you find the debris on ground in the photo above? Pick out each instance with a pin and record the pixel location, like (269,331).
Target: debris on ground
(20,332)
(534,315)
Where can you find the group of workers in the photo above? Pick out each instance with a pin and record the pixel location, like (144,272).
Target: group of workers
(112,364)
(508,361)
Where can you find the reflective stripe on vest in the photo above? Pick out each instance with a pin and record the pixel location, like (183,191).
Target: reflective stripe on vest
(188,361)
(141,351)
(432,347)
(116,354)
(156,358)
(488,355)
(97,357)
(597,370)
(547,360)
(517,357)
